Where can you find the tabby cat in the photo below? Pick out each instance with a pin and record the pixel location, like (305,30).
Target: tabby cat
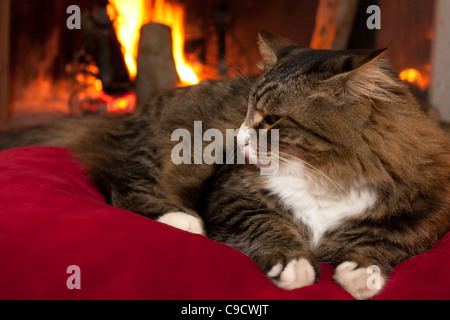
(363,177)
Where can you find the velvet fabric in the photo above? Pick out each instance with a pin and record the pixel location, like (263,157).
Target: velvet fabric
(52,217)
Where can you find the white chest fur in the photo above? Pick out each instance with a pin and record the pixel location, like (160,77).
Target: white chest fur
(321,206)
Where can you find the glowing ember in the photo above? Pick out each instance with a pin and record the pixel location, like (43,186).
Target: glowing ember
(122,104)
(415,77)
(132,15)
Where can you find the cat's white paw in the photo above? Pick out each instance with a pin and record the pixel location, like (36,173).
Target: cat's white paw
(298,273)
(355,280)
(184,222)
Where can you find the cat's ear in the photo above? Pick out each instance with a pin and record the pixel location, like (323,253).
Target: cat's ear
(365,76)
(271,46)
(371,56)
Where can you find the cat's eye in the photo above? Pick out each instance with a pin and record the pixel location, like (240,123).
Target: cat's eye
(271,119)
(268,121)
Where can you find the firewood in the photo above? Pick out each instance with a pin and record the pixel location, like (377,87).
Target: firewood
(156,69)
(334,23)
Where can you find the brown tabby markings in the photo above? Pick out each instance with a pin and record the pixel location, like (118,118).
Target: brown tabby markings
(343,117)
(345,120)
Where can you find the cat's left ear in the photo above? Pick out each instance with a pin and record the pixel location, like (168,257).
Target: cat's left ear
(363,59)
(363,75)
(271,47)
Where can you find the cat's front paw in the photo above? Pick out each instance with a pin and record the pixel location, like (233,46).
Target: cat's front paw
(184,222)
(296,274)
(357,281)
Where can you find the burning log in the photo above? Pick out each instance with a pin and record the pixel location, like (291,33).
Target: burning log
(156,69)
(334,22)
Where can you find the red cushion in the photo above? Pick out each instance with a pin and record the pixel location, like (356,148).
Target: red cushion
(52,217)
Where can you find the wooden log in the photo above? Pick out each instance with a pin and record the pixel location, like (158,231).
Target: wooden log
(156,69)
(5,10)
(334,22)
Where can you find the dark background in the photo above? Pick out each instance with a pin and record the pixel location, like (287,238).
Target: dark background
(41,44)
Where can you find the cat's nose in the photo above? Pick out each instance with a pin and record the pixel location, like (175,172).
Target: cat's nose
(243,138)
(246,141)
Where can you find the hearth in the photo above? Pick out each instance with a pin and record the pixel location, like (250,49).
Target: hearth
(128,50)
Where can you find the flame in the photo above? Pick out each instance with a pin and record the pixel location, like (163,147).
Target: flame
(173,16)
(414,76)
(132,15)
(128,21)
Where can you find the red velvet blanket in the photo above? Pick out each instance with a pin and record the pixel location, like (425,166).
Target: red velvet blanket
(52,217)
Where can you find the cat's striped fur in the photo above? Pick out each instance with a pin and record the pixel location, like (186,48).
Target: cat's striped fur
(364,175)
(363,179)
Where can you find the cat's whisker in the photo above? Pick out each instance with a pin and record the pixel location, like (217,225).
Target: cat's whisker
(315,179)
(238,69)
(233,89)
(339,188)
(302,162)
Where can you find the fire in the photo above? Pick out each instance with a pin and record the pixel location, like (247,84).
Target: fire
(414,76)
(122,104)
(132,15)
(173,16)
(128,22)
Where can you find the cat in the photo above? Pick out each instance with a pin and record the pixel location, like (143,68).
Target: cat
(128,157)
(364,176)
(362,181)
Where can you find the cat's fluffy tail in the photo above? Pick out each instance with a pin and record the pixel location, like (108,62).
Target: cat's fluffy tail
(64,132)
(22,137)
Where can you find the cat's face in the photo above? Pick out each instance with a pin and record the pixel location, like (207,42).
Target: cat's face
(319,100)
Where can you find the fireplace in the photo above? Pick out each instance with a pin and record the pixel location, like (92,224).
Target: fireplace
(51,68)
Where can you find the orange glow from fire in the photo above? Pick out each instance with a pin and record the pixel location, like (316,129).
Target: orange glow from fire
(414,76)
(132,15)
(122,104)
(128,22)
